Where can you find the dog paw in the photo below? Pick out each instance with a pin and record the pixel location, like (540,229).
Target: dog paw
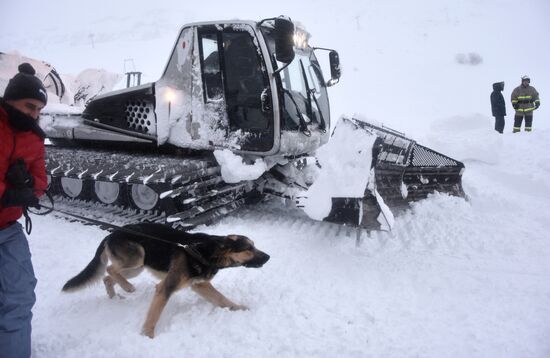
(149,332)
(109,286)
(129,288)
(239,308)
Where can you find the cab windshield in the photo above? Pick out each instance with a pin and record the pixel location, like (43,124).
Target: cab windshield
(305,100)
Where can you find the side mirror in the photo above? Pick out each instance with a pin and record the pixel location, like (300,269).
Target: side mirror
(284,40)
(335,70)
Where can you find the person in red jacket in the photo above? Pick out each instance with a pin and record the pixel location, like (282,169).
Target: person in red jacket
(22,181)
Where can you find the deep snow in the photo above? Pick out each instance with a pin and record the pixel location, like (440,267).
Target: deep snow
(454,278)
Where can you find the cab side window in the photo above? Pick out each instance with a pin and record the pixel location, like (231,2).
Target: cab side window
(212,75)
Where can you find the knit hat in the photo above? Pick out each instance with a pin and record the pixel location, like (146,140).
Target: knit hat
(25,85)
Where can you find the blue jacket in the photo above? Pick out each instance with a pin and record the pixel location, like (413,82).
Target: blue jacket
(498,105)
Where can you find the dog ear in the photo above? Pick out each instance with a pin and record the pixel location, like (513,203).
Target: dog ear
(228,242)
(224,243)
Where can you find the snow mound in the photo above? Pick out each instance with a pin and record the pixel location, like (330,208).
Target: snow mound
(235,170)
(93,82)
(346,167)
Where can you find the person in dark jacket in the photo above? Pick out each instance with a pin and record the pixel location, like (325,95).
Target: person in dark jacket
(498,106)
(22,180)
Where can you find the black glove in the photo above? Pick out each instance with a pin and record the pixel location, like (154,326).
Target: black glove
(515,105)
(18,176)
(537,105)
(23,197)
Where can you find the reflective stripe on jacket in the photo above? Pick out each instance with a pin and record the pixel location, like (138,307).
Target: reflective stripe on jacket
(526,99)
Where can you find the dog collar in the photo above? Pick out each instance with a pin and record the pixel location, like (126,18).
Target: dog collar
(190,249)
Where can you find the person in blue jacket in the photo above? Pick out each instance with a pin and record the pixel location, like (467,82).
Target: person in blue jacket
(498,106)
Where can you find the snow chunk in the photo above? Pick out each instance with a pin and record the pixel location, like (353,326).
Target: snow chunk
(404,191)
(235,170)
(346,164)
(385,218)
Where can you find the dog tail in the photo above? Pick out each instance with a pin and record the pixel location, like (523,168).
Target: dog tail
(91,273)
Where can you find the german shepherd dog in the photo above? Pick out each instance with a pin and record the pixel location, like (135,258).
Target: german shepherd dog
(180,260)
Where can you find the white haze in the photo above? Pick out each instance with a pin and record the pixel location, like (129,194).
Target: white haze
(454,277)
(399,57)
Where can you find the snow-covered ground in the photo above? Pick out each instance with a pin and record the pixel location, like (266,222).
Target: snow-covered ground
(454,278)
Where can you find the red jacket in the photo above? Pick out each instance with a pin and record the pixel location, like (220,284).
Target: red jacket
(14,145)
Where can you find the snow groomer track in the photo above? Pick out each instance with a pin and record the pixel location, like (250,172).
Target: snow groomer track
(136,187)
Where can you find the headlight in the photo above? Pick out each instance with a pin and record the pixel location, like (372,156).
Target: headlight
(301,38)
(169,95)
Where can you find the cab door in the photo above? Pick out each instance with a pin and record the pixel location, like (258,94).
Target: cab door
(233,71)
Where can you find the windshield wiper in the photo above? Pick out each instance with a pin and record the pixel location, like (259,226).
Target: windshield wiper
(303,124)
(311,94)
(322,124)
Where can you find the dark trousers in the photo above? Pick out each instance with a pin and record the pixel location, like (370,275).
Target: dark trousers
(528,122)
(17,283)
(499,123)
